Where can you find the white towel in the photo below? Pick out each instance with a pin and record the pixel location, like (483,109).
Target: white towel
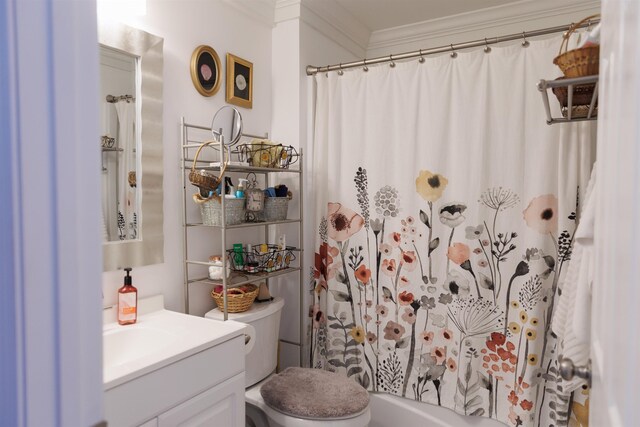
(572,317)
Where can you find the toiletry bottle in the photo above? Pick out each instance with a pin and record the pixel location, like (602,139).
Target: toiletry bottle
(240,190)
(127,301)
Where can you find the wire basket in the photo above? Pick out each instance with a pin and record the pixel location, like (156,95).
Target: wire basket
(263,258)
(211,210)
(238,299)
(265,154)
(584,61)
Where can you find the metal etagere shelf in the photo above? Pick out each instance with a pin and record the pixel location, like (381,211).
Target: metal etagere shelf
(573,111)
(192,137)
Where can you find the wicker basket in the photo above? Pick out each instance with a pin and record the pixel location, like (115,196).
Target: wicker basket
(205,181)
(238,300)
(582,94)
(584,61)
(211,210)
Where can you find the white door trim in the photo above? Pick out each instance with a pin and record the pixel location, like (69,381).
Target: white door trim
(51,221)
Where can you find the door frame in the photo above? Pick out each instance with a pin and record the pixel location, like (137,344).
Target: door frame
(50,243)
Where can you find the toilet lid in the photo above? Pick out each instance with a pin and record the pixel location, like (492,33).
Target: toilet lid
(314,394)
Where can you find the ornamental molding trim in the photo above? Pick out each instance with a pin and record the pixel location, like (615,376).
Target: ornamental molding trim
(330,19)
(259,10)
(513,13)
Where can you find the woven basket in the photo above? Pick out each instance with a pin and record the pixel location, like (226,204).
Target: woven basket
(584,61)
(237,299)
(204,181)
(582,94)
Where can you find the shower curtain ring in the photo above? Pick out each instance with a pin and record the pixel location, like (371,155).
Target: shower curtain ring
(487,48)
(392,64)
(340,72)
(421,59)
(365,68)
(454,54)
(525,42)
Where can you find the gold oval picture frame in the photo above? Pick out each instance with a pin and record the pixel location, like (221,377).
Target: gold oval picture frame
(206,70)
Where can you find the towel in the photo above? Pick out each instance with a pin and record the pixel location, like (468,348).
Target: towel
(572,319)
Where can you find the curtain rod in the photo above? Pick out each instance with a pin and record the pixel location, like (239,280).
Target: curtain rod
(113,99)
(312,70)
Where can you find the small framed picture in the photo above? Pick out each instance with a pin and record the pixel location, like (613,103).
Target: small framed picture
(239,81)
(206,70)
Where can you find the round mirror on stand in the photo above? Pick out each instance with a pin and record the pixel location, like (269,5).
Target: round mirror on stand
(227,124)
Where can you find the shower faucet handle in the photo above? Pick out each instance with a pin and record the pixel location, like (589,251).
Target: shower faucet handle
(568,370)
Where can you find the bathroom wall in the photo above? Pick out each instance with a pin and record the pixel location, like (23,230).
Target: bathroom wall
(297,43)
(184,25)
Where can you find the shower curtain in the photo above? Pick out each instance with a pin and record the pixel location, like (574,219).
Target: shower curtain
(127,204)
(445,209)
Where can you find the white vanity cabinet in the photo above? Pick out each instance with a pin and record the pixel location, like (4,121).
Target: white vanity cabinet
(194,379)
(222,405)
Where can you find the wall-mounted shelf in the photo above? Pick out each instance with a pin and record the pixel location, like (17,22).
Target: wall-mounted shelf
(580,95)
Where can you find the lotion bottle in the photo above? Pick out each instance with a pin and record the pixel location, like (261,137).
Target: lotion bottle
(127,301)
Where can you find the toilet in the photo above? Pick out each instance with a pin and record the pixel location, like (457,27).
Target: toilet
(260,366)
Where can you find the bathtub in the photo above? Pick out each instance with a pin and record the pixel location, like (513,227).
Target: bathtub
(392,411)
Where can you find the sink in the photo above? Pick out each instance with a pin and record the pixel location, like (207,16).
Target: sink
(124,345)
(159,338)
(170,368)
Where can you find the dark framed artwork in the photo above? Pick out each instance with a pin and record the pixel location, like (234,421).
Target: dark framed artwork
(239,81)
(206,70)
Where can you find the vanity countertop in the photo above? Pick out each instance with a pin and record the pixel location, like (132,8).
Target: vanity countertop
(159,338)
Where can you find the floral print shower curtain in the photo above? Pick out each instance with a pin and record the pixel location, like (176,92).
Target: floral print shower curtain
(445,209)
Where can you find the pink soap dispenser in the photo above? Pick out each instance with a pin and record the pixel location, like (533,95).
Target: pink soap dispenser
(127,301)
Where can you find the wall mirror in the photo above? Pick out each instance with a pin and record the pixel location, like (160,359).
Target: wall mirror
(131,144)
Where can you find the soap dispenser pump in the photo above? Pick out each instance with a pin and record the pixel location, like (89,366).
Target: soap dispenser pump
(127,301)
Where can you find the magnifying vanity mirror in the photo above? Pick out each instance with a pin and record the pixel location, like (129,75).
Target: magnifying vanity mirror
(227,123)
(131,144)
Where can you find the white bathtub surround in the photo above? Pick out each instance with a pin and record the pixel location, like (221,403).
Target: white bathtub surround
(387,409)
(446,211)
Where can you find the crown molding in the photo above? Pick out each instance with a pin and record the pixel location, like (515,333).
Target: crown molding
(330,19)
(259,10)
(512,13)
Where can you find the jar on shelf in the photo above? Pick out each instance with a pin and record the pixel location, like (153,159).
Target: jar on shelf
(216,271)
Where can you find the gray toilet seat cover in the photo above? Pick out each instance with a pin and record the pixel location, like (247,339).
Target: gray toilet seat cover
(314,393)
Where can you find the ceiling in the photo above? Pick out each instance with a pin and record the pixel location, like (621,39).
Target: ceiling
(381,14)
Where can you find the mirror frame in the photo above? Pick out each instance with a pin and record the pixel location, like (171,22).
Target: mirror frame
(149,249)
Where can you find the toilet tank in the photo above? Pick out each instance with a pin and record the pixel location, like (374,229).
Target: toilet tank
(261,361)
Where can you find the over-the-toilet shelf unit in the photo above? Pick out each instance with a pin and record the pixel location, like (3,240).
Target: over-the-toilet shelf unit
(568,113)
(192,138)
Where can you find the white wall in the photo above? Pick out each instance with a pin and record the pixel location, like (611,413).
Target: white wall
(296,44)
(184,25)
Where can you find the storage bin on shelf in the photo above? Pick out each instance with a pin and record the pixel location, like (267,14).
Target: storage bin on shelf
(582,96)
(238,299)
(275,208)
(211,210)
(261,258)
(267,154)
